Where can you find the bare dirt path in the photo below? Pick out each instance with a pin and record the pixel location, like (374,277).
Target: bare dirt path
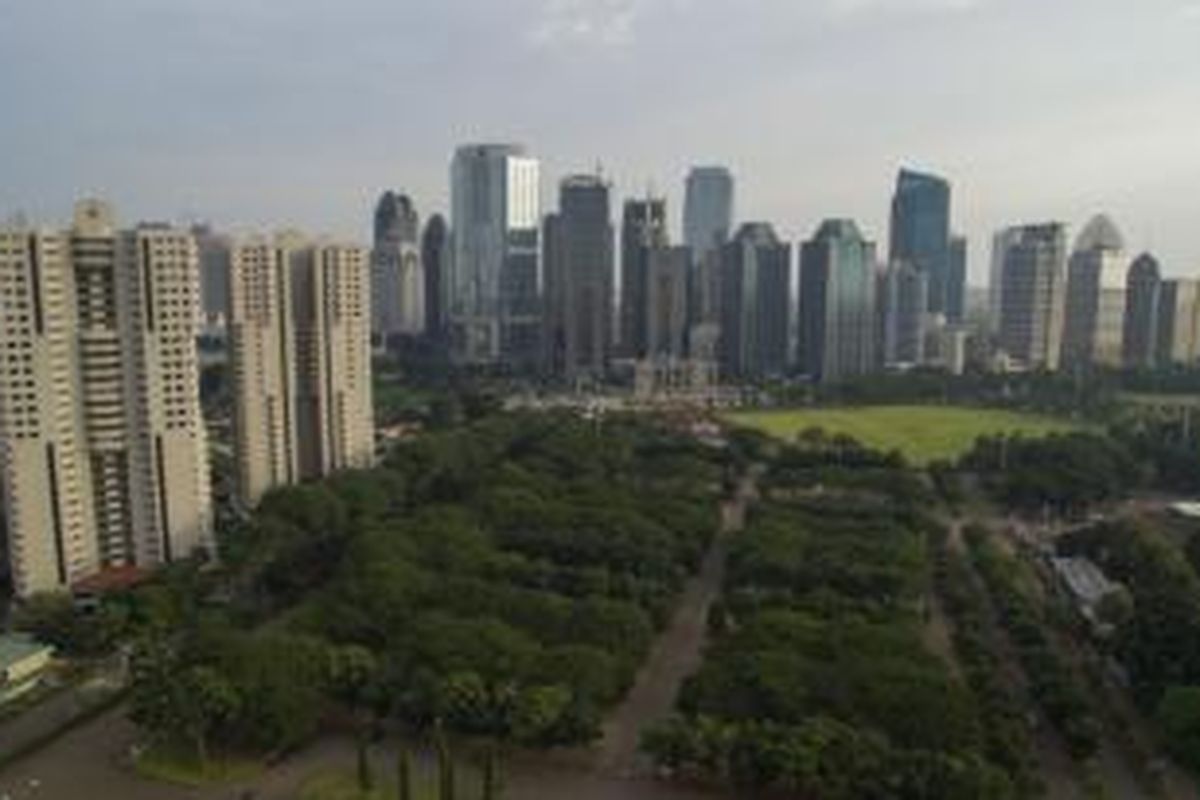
(678,653)
(92,761)
(1058,770)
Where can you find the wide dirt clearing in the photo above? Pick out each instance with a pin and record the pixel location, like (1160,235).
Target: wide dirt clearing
(922,433)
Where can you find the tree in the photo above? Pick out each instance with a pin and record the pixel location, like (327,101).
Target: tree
(1179,717)
(366,780)
(404,785)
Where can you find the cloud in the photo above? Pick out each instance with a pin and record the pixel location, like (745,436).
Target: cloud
(603,23)
(1190,10)
(852,8)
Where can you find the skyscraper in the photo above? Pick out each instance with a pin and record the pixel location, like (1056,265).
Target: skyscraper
(756,279)
(707,209)
(837,302)
(643,228)
(435,257)
(496,286)
(103,450)
(1143,287)
(1178,323)
(920,235)
(213,250)
(1094,319)
(579,270)
(397,277)
(300,344)
(1032,291)
(667,302)
(956,288)
(902,307)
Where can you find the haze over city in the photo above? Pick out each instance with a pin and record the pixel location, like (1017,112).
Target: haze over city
(268,114)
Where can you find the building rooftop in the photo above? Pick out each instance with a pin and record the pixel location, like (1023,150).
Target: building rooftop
(15,648)
(1085,580)
(1190,510)
(1100,234)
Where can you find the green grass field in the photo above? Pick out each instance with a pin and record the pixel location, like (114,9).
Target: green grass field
(922,433)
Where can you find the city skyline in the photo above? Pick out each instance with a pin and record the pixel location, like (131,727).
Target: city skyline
(1055,136)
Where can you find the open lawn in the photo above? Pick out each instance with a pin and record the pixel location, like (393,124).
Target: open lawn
(922,433)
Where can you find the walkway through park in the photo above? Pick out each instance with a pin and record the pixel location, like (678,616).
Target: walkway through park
(677,654)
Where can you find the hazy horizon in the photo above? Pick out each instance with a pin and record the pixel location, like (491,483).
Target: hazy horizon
(258,114)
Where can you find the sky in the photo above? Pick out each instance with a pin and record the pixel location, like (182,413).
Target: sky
(261,114)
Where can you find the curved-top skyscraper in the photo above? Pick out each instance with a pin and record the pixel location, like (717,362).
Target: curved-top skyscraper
(397,277)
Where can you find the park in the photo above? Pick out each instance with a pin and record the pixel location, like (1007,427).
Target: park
(922,434)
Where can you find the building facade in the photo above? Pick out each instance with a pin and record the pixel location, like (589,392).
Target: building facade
(903,314)
(300,348)
(102,446)
(495,286)
(1178,336)
(708,209)
(643,230)
(578,259)
(956,290)
(1094,316)
(1032,294)
(920,236)
(435,263)
(1143,286)
(397,276)
(837,303)
(756,282)
(666,313)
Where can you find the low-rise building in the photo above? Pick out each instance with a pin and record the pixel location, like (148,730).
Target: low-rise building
(23,662)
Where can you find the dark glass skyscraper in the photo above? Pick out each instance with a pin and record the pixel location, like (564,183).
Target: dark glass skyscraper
(837,302)
(956,287)
(707,209)
(434,255)
(1143,287)
(756,269)
(643,228)
(578,260)
(920,236)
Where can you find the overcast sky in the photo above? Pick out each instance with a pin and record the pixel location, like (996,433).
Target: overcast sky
(265,113)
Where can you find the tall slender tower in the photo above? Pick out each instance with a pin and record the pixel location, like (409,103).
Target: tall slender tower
(104,451)
(643,229)
(578,262)
(300,345)
(435,261)
(495,290)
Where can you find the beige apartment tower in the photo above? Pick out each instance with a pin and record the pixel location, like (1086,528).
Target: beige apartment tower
(102,445)
(300,338)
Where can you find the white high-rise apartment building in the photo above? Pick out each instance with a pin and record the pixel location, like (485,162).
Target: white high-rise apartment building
(300,339)
(103,450)
(495,285)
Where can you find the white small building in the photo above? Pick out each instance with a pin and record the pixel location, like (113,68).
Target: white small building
(23,662)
